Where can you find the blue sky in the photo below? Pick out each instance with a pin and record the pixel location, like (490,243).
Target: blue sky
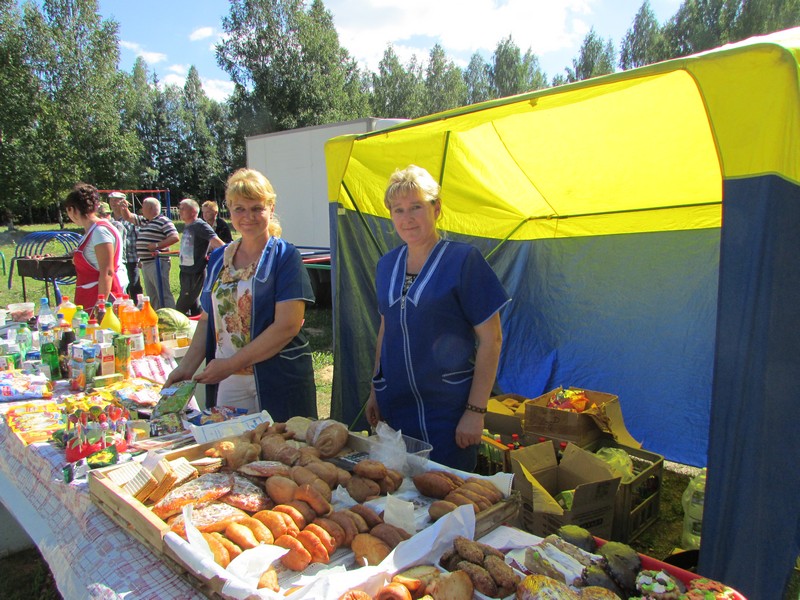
(172,35)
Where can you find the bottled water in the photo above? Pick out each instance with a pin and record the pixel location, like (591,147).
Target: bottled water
(692,501)
(46,315)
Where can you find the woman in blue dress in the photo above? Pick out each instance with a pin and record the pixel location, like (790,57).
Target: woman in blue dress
(440,336)
(254,301)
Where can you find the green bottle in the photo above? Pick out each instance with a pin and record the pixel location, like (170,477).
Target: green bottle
(49,352)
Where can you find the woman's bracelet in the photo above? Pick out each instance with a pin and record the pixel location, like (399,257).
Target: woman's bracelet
(476,409)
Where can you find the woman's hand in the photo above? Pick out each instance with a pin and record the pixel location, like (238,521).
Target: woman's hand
(217,370)
(179,373)
(469,429)
(372,411)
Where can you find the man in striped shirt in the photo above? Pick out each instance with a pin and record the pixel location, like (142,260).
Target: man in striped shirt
(154,233)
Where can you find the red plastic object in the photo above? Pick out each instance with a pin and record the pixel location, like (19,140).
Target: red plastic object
(77,452)
(652,564)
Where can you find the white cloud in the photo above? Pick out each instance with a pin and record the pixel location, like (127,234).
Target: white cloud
(178,69)
(151,58)
(217,89)
(201,33)
(545,26)
(174,79)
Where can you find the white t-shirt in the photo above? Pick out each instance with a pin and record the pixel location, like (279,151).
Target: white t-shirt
(102,235)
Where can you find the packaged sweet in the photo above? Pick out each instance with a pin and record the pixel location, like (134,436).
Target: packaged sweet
(175,398)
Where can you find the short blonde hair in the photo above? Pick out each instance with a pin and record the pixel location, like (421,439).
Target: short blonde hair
(412,179)
(211,204)
(250,184)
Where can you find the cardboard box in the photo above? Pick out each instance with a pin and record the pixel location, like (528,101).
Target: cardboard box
(638,501)
(578,428)
(539,477)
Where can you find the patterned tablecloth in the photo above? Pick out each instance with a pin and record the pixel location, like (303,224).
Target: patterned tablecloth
(80,543)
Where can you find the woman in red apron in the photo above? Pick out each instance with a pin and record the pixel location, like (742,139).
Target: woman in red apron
(97,259)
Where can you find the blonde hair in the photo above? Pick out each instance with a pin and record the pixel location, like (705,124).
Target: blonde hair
(250,184)
(412,179)
(211,204)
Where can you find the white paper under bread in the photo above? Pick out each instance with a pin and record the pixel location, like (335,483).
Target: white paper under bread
(232,427)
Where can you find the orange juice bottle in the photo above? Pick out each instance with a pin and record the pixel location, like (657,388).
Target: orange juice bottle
(131,325)
(149,318)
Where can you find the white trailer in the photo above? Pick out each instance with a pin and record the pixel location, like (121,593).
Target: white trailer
(294,162)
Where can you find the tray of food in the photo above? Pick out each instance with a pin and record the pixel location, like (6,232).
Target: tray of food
(272,493)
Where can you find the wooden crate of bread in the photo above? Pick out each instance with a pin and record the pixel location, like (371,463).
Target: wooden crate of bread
(143,524)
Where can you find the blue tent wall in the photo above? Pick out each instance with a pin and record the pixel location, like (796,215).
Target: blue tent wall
(628,314)
(751,521)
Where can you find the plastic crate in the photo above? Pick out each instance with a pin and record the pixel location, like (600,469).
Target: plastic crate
(638,502)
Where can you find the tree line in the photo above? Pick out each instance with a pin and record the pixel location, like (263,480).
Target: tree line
(68,113)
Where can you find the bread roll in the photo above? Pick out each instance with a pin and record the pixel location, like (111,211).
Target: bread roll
(362,489)
(371,469)
(393,591)
(370,516)
(221,556)
(298,558)
(241,535)
(324,537)
(327,436)
(368,549)
(314,546)
(280,489)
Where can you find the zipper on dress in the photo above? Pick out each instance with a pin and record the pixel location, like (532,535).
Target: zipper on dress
(410,371)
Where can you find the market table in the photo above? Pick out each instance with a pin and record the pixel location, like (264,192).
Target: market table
(81,545)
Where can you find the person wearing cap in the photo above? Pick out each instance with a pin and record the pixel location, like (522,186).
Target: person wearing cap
(154,233)
(197,241)
(117,199)
(211,216)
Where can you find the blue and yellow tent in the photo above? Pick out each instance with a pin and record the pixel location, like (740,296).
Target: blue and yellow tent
(647,226)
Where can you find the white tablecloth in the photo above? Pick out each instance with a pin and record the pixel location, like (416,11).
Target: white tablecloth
(80,543)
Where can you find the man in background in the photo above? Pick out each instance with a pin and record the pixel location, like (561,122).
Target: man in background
(211,216)
(154,233)
(197,241)
(117,199)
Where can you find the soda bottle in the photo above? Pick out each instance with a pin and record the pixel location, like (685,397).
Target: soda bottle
(61,324)
(46,315)
(110,320)
(66,308)
(99,310)
(82,335)
(24,339)
(149,318)
(131,325)
(50,353)
(67,337)
(692,501)
(118,303)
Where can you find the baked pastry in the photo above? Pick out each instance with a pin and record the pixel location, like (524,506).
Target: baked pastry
(325,471)
(371,469)
(203,490)
(481,580)
(542,587)
(281,489)
(434,484)
(503,575)
(327,436)
(389,533)
(260,531)
(269,580)
(212,517)
(370,516)
(264,468)
(235,451)
(241,535)
(298,558)
(658,585)
(233,549)
(278,523)
(347,524)
(595,592)
(451,586)
(324,537)
(314,546)
(393,591)
(368,549)
(334,530)
(246,495)
(362,489)
(221,556)
(298,426)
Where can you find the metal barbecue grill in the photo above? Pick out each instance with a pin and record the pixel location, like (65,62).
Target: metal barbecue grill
(56,268)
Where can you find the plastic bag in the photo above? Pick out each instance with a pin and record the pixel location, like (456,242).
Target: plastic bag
(619,460)
(389,447)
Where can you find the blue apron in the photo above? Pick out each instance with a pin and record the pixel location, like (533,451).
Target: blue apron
(428,351)
(285,382)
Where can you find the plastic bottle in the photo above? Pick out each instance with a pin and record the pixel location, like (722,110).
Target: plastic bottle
(66,308)
(82,334)
(76,320)
(118,302)
(692,501)
(67,337)
(46,315)
(110,320)
(99,310)
(62,323)
(131,324)
(149,319)
(50,353)
(91,330)
(24,339)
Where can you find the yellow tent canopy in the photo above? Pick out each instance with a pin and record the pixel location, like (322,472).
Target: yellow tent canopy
(641,150)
